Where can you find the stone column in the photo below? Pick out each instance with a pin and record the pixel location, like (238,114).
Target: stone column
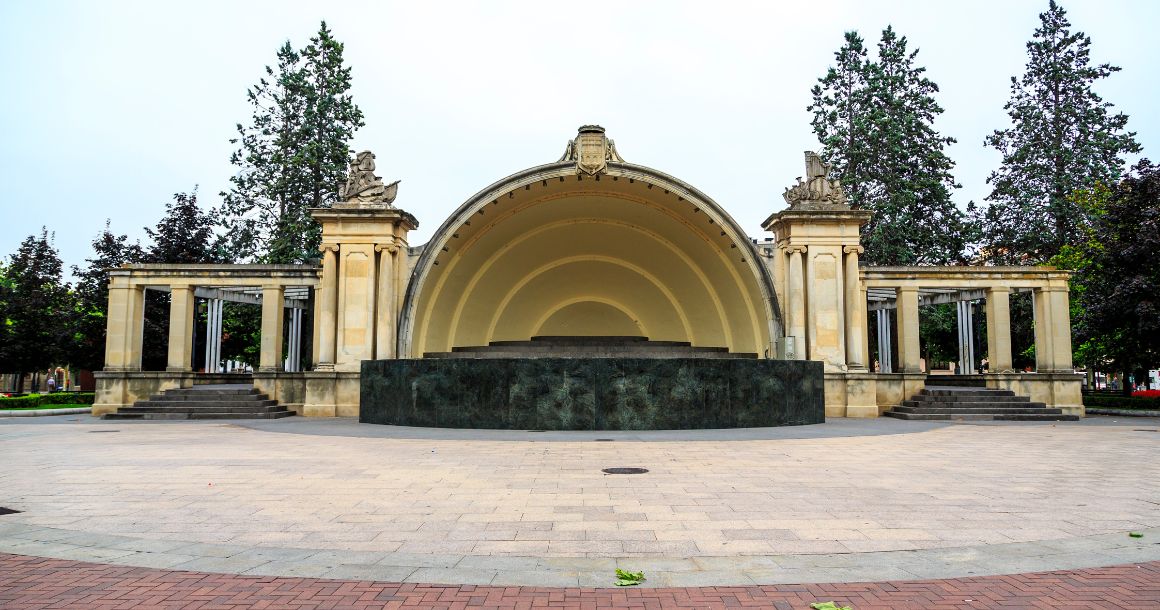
(908,351)
(1052,331)
(213,335)
(180,329)
(327,309)
(270,359)
(1061,328)
(796,324)
(385,312)
(966,328)
(999,329)
(855,312)
(885,358)
(1044,338)
(124,327)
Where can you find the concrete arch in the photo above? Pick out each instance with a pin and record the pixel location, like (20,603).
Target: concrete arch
(673,237)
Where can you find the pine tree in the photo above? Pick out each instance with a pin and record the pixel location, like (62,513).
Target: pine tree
(38,309)
(92,297)
(843,115)
(1062,139)
(874,120)
(293,156)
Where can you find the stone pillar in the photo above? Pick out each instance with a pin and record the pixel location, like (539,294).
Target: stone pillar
(796,322)
(385,311)
(213,335)
(270,359)
(1061,327)
(180,329)
(966,328)
(908,349)
(124,326)
(1052,331)
(855,312)
(327,309)
(999,329)
(885,352)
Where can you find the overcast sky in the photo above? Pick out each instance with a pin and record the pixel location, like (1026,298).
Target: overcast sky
(108,108)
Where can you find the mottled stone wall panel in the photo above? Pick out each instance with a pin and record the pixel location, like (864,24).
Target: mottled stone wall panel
(592,393)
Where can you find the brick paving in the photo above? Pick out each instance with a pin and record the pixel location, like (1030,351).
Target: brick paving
(28,583)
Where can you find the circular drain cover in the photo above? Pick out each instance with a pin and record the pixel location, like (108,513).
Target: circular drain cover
(604,440)
(624,470)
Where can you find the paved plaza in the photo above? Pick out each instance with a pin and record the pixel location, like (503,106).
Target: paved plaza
(847,501)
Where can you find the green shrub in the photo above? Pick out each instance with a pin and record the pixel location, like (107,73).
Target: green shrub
(1105,401)
(68,398)
(56,398)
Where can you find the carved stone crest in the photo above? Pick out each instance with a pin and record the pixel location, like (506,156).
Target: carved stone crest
(363,186)
(817,191)
(591,151)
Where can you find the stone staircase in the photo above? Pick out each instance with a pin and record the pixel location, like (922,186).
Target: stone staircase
(972,403)
(220,401)
(588,347)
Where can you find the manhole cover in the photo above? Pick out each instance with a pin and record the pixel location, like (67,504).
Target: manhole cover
(96,431)
(624,470)
(1145,430)
(537,431)
(604,440)
(7,511)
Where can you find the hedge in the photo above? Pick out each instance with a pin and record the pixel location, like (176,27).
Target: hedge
(56,398)
(1120,402)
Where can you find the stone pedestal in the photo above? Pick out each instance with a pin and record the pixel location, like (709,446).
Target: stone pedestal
(358,308)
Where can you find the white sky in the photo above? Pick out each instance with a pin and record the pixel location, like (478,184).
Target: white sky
(108,108)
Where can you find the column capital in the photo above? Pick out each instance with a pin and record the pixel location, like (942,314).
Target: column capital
(328,247)
(996,289)
(794,249)
(906,288)
(853,249)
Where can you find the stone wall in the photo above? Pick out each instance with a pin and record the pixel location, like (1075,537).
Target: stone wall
(592,393)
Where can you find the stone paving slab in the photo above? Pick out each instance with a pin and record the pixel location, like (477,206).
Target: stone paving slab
(28,583)
(1074,553)
(845,501)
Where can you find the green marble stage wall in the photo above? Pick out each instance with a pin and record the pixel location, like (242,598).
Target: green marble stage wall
(592,393)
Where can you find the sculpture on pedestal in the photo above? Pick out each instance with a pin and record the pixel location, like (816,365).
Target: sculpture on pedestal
(817,191)
(363,186)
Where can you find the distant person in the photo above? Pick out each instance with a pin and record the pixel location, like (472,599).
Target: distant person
(984,365)
(51,384)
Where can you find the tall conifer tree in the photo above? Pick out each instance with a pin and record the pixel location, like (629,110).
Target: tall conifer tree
(1062,139)
(874,119)
(294,154)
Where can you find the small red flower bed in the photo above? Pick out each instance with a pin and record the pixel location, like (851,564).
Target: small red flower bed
(1146,393)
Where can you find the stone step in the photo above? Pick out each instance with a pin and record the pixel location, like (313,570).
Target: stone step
(245,404)
(1026,408)
(193,408)
(632,349)
(247,398)
(594,354)
(170,415)
(980,417)
(965,392)
(967,400)
(214,392)
(223,401)
(977,381)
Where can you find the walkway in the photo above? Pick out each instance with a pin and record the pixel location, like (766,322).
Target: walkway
(28,583)
(848,501)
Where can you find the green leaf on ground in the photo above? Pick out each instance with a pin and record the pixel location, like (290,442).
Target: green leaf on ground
(1136,534)
(829,606)
(628,579)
